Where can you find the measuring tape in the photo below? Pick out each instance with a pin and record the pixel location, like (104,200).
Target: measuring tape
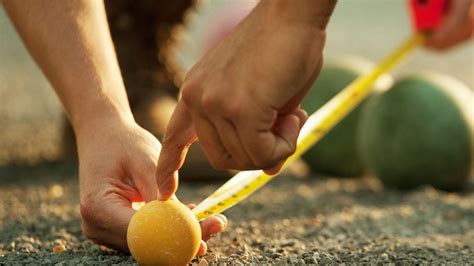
(318,124)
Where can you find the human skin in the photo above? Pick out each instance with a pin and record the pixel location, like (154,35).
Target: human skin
(457,26)
(70,41)
(241,100)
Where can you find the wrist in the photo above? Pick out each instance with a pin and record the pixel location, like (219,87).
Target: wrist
(312,13)
(104,115)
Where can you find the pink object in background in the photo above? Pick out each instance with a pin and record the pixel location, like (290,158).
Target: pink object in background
(226,19)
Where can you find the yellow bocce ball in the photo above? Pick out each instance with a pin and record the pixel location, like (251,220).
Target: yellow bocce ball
(164,233)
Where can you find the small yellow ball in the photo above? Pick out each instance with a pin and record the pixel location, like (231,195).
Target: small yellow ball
(164,233)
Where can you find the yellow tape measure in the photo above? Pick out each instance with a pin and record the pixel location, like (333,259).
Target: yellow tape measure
(319,123)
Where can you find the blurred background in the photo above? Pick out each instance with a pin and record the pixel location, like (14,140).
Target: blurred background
(31,118)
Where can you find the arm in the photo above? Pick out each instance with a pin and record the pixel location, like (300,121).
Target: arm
(242,98)
(71,43)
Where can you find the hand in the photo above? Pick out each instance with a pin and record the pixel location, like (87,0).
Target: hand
(117,167)
(242,100)
(458,26)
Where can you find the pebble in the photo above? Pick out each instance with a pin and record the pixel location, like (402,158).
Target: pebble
(59,248)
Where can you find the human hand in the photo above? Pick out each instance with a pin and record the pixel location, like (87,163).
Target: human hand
(457,26)
(117,167)
(242,100)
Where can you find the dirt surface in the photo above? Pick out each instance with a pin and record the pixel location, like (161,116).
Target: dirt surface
(292,220)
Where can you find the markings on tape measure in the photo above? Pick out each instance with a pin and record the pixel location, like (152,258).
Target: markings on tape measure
(318,124)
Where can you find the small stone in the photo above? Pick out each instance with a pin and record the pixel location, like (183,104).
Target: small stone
(59,248)
(340,237)
(203,262)
(288,243)
(292,260)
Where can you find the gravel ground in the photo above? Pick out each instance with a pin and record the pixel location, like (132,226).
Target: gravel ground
(292,220)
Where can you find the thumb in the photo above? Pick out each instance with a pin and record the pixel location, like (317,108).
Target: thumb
(288,128)
(285,133)
(178,137)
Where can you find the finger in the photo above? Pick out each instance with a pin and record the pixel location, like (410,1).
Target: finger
(202,249)
(240,159)
(143,175)
(178,137)
(221,217)
(220,223)
(302,117)
(212,226)
(461,35)
(274,169)
(270,146)
(107,224)
(212,145)
(116,239)
(457,26)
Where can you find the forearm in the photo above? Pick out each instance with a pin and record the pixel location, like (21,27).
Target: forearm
(70,41)
(315,13)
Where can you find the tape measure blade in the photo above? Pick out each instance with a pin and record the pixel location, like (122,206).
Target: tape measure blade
(235,184)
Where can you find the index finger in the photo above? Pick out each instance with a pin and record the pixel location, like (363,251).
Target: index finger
(178,137)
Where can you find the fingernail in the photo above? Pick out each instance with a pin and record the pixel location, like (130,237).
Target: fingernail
(202,249)
(223,219)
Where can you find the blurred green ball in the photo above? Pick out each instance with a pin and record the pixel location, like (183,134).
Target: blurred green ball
(419,132)
(337,153)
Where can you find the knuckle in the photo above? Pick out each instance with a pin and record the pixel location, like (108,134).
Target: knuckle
(186,96)
(188,91)
(210,102)
(232,110)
